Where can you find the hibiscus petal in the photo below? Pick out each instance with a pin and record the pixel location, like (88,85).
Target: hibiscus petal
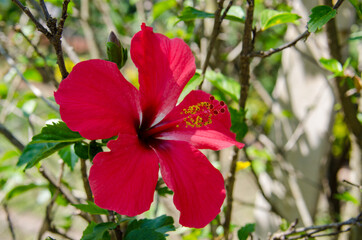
(214,129)
(198,187)
(97,101)
(165,66)
(124,179)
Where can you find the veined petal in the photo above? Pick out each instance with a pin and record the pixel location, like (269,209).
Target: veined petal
(124,179)
(165,66)
(97,101)
(200,120)
(198,187)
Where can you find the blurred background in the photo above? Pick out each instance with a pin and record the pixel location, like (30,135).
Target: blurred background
(305,161)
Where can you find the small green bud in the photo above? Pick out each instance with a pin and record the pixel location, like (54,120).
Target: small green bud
(115,52)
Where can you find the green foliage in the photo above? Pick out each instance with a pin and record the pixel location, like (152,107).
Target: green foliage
(320,16)
(93,149)
(17,190)
(190,14)
(52,138)
(191,85)
(56,132)
(227,85)
(98,231)
(238,124)
(334,66)
(358,6)
(81,149)
(91,208)
(270,18)
(163,191)
(245,231)
(162,6)
(155,228)
(347,197)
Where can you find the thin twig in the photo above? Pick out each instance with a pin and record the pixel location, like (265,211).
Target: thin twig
(11,137)
(45,10)
(218,18)
(34,89)
(11,228)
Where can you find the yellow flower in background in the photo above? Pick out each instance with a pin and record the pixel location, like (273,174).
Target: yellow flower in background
(69,66)
(242,165)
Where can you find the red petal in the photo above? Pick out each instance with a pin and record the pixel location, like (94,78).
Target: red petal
(124,179)
(198,187)
(215,135)
(97,101)
(165,66)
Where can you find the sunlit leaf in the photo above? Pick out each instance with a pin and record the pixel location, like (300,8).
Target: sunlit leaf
(69,157)
(17,190)
(190,13)
(347,197)
(162,6)
(225,84)
(320,15)
(91,208)
(191,85)
(270,18)
(245,231)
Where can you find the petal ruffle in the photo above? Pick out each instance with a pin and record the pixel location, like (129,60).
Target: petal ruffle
(124,179)
(198,187)
(97,101)
(214,132)
(165,66)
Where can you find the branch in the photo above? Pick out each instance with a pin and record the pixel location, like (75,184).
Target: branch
(311,232)
(304,35)
(11,137)
(245,59)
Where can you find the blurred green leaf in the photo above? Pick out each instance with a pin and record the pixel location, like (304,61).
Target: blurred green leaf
(245,231)
(162,6)
(164,191)
(358,6)
(320,15)
(156,228)
(91,208)
(331,65)
(270,18)
(33,75)
(191,85)
(98,231)
(238,124)
(17,190)
(69,157)
(190,13)
(347,197)
(227,85)
(56,132)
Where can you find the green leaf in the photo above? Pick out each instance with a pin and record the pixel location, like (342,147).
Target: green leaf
(227,85)
(34,152)
(270,18)
(56,132)
(145,234)
(331,65)
(155,227)
(347,197)
(163,6)
(17,190)
(81,149)
(163,191)
(91,208)
(320,16)
(191,85)
(98,231)
(238,124)
(190,14)
(69,157)
(358,6)
(245,231)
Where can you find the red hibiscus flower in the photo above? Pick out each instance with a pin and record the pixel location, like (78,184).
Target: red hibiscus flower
(153,132)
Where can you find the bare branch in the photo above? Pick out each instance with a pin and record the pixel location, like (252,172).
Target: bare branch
(11,228)
(11,137)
